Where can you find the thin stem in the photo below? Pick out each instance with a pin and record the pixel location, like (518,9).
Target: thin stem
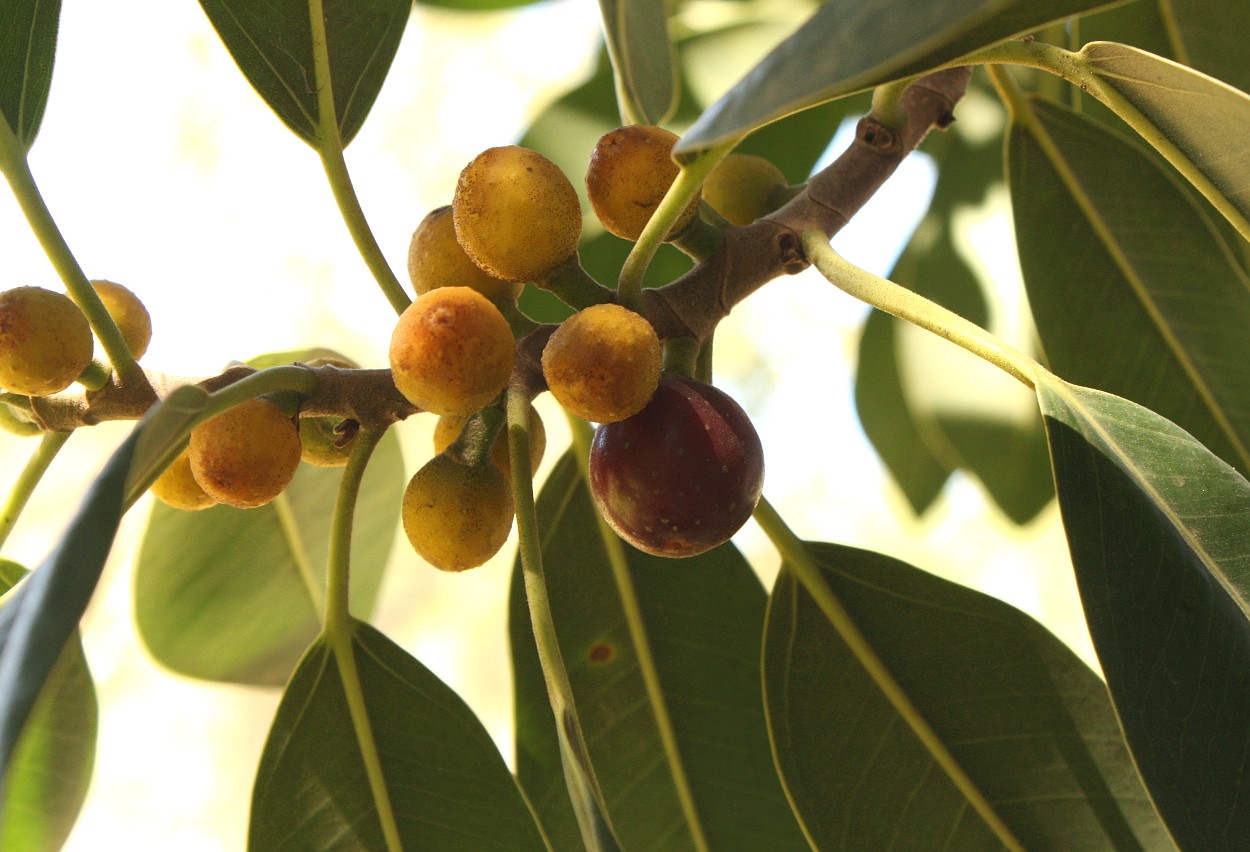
(624,580)
(684,187)
(17,170)
(579,773)
(338,567)
(916,309)
(572,284)
(95,376)
(299,554)
(330,148)
(28,479)
(798,559)
(340,631)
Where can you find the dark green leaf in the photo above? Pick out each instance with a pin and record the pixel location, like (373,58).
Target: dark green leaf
(236,594)
(27,46)
(1026,720)
(850,45)
(1194,120)
(1132,288)
(1212,38)
(476,5)
(51,766)
(642,54)
(704,619)
(164,435)
(447,784)
(273,45)
(887,419)
(1158,529)
(42,615)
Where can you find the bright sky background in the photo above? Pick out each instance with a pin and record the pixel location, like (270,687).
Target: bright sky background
(168,174)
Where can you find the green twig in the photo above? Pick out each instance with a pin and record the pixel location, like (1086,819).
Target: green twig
(624,580)
(916,309)
(573,285)
(34,470)
(684,187)
(330,148)
(340,631)
(17,170)
(579,774)
(798,559)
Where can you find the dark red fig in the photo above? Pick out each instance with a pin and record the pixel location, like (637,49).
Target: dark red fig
(682,475)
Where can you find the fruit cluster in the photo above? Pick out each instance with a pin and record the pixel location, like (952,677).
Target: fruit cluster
(676,466)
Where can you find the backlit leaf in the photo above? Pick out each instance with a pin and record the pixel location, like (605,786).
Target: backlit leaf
(1159,533)
(849,45)
(446,783)
(272,43)
(1196,121)
(236,594)
(1132,288)
(42,615)
(27,46)
(51,767)
(1028,722)
(642,54)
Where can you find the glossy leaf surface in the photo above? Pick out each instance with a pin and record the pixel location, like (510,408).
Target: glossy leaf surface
(51,767)
(236,594)
(643,56)
(27,46)
(1133,289)
(272,43)
(1021,714)
(1191,118)
(849,45)
(41,616)
(447,784)
(1159,532)
(706,648)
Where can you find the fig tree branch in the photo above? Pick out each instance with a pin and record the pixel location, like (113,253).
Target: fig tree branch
(751,256)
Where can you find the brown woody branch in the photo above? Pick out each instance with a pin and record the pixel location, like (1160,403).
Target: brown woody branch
(753,255)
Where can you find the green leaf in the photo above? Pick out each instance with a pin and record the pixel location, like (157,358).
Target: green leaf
(887,419)
(1212,38)
(1158,529)
(164,436)
(476,5)
(236,594)
(1195,121)
(1020,713)
(272,43)
(704,620)
(643,56)
(851,45)
(51,766)
(1132,288)
(27,46)
(42,615)
(446,782)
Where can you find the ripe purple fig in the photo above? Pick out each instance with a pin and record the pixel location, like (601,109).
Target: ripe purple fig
(682,475)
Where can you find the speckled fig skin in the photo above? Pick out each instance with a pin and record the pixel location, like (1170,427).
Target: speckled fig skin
(630,171)
(247,456)
(449,427)
(603,363)
(45,341)
(456,517)
(436,259)
(516,214)
(451,351)
(741,188)
(682,475)
(176,487)
(132,318)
